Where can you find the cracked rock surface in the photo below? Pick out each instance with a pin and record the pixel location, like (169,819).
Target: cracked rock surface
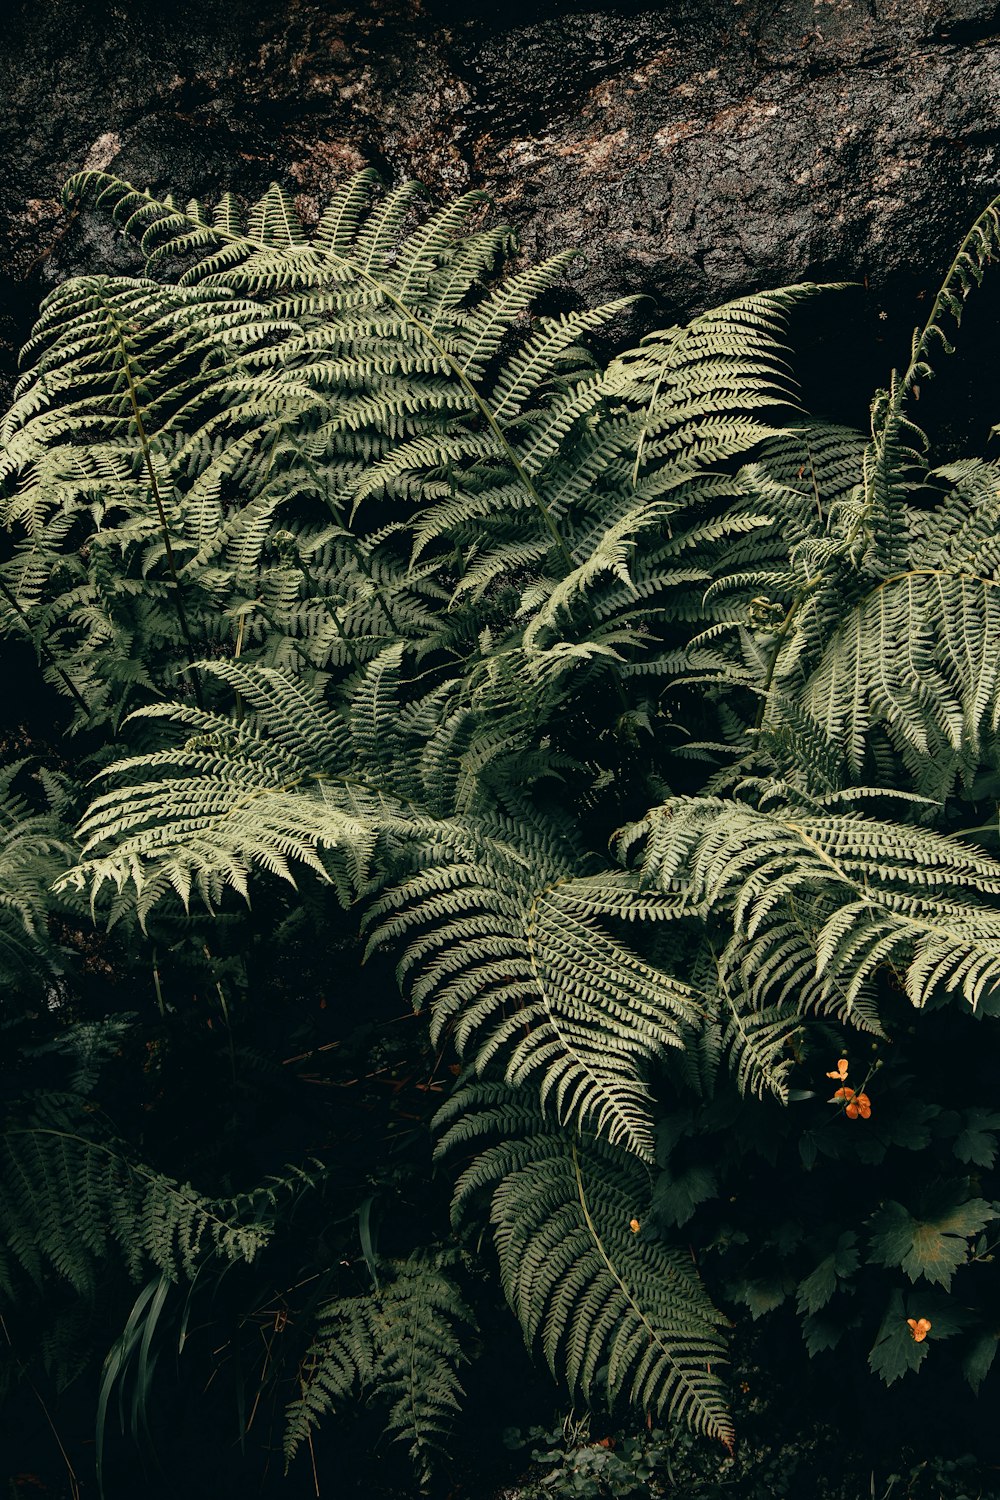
(693,149)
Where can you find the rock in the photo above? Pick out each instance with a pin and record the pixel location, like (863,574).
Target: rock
(692,151)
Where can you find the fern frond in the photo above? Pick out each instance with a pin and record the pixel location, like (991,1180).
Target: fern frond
(67,1203)
(919,655)
(399,1344)
(611,1307)
(756,1040)
(977,251)
(529,978)
(818,904)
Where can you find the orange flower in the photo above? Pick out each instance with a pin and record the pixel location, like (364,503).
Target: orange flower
(856,1106)
(634,1225)
(919,1328)
(841,1070)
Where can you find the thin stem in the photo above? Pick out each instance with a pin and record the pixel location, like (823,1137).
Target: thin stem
(312,1459)
(815,485)
(779,641)
(70,1471)
(240,706)
(645,428)
(156,984)
(941,305)
(225,1015)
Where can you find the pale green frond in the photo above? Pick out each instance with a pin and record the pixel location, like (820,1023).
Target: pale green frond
(819,904)
(613,1308)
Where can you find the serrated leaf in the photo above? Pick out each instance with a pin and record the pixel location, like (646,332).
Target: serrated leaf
(821,1332)
(895,1351)
(976,1142)
(762,1295)
(818,1287)
(676,1198)
(933,1248)
(945,1313)
(977,1363)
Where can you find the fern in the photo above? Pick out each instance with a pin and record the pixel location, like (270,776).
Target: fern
(510,952)
(400,1344)
(66,1202)
(603,1301)
(245,421)
(365,578)
(819,902)
(36,846)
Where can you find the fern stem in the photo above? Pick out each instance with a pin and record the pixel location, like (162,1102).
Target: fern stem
(225,1016)
(613,1272)
(815,484)
(645,428)
(348,642)
(599,1244)
(312,1460)
(992,583)
(156,984)
(171,561)
(780,638)
(944,302)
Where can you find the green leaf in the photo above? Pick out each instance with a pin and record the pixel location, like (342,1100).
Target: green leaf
(932,1247)
(676,1198)
(977,1363)
(821,1332)
(762,1295)
(976,1142)
(895,1351)
(817,1288)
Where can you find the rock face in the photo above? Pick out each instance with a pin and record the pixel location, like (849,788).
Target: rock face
(692,148)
